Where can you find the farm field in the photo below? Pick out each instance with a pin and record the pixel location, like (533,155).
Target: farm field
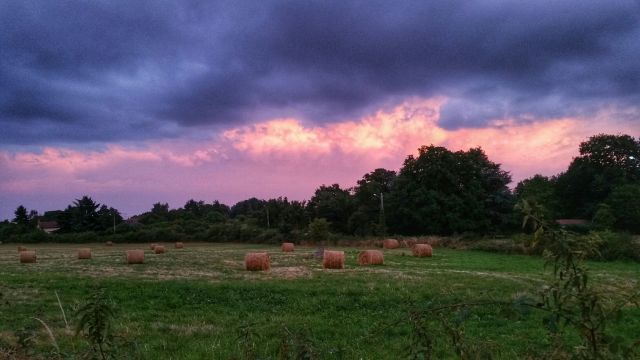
(200,303)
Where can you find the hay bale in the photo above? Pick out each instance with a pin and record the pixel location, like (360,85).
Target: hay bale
(158,249)
(287,247)
(255,261)
(422,250)
(179,245)
(333,259)
(390,244)
(135,256)
(153,246)
(84,253)
(109,243)
(27,257)
(371,257)
(21,248)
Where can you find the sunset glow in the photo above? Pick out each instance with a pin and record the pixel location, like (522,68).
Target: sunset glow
(244,101)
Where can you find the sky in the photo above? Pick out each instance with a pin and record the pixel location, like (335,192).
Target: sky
(134,103)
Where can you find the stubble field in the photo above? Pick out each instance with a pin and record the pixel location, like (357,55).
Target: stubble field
(200,303)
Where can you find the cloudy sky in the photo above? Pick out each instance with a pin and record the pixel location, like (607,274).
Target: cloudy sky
(138,102)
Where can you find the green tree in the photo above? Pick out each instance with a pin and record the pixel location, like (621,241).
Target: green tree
(319,229)
(87,215)
(108,217)
(604,219)
(625,204)
(333,204)
(443,192)
(368,195)
(160,209)
(21,216)
(605,162)
(541,190)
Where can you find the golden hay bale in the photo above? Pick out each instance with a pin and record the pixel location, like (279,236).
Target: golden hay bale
(179,245)
(84,253)
(109,243)
(333,259)
(153,246)
(21,248)
(135,256)
(370,257)
(390,244)
(27,256)
(159,249)
(255,261)
(422,250)
(287,247)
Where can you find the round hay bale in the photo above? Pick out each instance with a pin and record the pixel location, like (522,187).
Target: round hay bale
(158,249)
(27,257)
(179,245)
(135,256)
(255,261)
(371,257)
(21,248)
(153,246)
(422,250)
(109,243)
(84,253)
(390,244)
(287,247)
(333,259)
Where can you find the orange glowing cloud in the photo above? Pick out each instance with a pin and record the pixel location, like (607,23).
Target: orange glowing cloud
(286,157)
(525,149)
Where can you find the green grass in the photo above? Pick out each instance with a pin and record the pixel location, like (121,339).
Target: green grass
(191,303)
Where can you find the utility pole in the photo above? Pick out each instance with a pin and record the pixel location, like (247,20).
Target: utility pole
(114,221)
(268,224)
(383,224)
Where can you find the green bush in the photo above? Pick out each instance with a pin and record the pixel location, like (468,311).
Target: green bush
(618,246)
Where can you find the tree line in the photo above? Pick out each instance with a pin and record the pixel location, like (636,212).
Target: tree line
(437,191)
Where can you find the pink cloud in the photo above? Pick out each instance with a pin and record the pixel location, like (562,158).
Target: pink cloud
(280,157)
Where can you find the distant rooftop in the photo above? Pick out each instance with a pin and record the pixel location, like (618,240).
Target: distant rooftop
(572,222)
(48,225)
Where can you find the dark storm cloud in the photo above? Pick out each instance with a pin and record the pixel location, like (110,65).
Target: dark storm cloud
(110,70)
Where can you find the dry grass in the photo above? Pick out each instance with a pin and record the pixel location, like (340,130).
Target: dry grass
(215,262)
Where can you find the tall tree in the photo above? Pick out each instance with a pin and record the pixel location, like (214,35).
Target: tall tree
(625,205)
(443,192)
(333,204)
(369,216)
(21,216)
(605,162)
(87,215)
(540,190)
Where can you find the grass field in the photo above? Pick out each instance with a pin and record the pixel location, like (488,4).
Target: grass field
(200,303)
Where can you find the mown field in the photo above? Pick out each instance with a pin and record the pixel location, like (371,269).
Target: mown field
(200,303)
